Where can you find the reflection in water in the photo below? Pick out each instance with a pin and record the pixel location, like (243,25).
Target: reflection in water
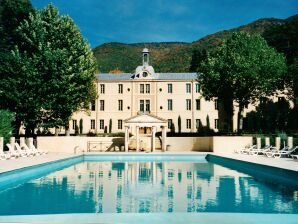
(97,187)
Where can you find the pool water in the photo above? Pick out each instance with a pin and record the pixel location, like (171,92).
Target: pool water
(147,187)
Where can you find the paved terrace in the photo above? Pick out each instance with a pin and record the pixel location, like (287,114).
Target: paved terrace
(14,164)
(22,162)
(283,163)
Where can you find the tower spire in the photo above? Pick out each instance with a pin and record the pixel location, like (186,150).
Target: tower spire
(145,57)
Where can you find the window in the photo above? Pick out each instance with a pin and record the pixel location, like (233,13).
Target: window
(170,123)
(148,105)
(188,88)
(101,124)
(170,104)
(188,123)
(120,123)
(216,104)
(198,123)
(142,108)
(101,105)
(198,88)
(188,104)
(120,88)
(170,88)
(216,123)
(198,104)
(120,105)
(92,124)
(141,88)
(102,88)
(93,105)
(74,124)
(147,88)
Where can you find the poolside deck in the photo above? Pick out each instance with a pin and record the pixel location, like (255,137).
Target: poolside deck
(282,163)
(23,162)
(14,164)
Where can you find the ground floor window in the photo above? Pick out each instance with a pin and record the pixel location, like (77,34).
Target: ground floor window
(74,124)
(120,123)
(170,123)
(216,123)
(188,123)
(92,124)
(101,124)
(198,123)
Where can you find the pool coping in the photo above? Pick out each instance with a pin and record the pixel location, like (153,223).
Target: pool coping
(144,218)
(202,217)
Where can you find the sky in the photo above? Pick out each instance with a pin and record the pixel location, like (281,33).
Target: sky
(138,21)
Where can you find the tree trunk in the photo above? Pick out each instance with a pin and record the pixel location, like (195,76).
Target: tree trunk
(225,115)
(240,118)
(56,131)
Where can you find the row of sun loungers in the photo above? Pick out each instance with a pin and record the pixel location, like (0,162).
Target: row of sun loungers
(17,150)
(270,151)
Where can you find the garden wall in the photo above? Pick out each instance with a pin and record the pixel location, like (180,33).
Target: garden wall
(217,144)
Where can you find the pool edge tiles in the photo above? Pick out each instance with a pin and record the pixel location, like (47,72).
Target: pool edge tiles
(203,217)
(145,157)
(275,174)
(22,175)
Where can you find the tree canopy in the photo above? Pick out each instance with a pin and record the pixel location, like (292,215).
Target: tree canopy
(51,71)
(242,69)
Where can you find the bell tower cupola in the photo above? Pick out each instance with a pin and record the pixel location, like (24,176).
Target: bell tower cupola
(145,57)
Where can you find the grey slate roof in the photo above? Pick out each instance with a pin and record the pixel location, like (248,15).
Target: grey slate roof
(156,76)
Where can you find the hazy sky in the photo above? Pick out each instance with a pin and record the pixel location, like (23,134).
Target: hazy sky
(133,21)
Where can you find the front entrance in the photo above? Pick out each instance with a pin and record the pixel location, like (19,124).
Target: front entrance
(145,130)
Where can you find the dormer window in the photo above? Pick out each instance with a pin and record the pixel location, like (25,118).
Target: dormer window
(145,74)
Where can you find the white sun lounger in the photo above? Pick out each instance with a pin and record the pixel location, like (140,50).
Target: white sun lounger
(261,151)
(13,153)
(285,153)
(37,151)
(21,151)
(275,150)
(4,155)
(247,150)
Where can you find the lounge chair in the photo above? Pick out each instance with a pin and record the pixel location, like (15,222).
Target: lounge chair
(12,152)
(275,150)
(19,151)
(28,150)
(22,152)
(247,150)
(261,151)
(4,155)
(285,153)
(37,151)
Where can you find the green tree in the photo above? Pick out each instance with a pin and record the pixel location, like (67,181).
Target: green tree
(198,56)
(179,124)
(58,70)
(6,129)
(242,69)
(12,13)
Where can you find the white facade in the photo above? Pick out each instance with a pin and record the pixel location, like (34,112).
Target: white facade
(166,95)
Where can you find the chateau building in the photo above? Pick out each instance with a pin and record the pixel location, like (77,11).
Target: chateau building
(171,97)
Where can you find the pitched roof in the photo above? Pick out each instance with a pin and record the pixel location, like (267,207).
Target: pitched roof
(145,118)
(156,76)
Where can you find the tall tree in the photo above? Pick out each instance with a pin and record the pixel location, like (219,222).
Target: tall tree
(198,56)
(284,37)
(61,70)
(242,69)
(12,13)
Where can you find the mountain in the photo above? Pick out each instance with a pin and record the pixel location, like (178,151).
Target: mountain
(169,56)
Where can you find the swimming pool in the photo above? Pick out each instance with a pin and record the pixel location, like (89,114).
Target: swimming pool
(141,184)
